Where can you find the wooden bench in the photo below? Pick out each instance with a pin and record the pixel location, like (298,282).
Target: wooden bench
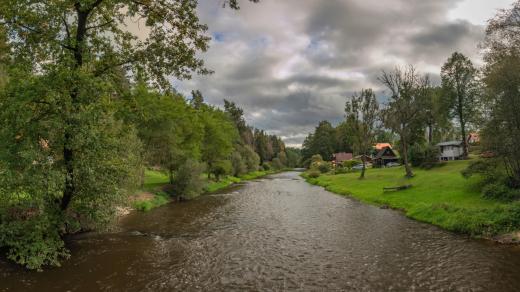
(399,188)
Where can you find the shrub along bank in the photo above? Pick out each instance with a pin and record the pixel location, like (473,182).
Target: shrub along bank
(440,196)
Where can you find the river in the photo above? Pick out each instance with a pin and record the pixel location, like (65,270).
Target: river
(274,234)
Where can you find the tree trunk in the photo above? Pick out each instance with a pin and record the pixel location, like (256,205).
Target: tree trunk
(407,166)
(362,176)
(462,120)
(68,153)
(430,134)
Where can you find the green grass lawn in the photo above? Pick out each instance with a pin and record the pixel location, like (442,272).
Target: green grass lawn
(440,196)
(155,179)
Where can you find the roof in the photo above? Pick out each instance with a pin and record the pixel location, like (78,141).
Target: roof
(342,156)
(381,153)
(450,143)
(380,146)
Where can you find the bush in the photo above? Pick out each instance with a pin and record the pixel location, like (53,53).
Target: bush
(221,168)
(238,163)
(350,163)
(277,164)
(342,170)
(188,181)
(500,191)
(426,157)
(266,166)
(314,173)
(324,167)
(32,241)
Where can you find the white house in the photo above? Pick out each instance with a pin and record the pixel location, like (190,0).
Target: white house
(451,150)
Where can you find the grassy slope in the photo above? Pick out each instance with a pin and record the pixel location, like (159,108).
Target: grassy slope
(155,179)
(440,196)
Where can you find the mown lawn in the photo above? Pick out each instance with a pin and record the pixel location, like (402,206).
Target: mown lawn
(440,196)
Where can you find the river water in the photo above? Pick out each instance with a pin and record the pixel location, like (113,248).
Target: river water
(274,234)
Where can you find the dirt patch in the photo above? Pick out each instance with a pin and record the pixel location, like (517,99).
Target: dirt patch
(141,197)
(510,238)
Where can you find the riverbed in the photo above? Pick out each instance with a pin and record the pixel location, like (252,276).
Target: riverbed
(274,234)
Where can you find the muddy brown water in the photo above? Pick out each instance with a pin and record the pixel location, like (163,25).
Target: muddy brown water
(275,234)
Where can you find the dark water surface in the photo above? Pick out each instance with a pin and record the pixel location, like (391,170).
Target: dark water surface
(275,234)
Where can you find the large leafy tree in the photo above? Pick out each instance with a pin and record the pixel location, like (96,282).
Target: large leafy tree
(363,111)
(501,133)
(73,61)
(459,81)
(404,112)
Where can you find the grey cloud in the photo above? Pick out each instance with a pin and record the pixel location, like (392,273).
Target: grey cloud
(291,63)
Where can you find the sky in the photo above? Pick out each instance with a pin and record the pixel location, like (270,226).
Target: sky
(290,64)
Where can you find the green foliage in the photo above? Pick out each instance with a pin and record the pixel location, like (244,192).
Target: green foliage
(461,89)
(313,173)
(220,168)
(277,164)
(424,156)
(404,112)
(500,191)
(494,181)
(350,163)
(188,182)
(31,236)
(160,198)
(293,157)
(322,142)
(324,167)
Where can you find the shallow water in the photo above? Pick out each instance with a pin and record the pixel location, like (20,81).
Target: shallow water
(275,234)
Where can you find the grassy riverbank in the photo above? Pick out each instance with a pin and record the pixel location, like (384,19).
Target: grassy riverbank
(440,196)
(151,195)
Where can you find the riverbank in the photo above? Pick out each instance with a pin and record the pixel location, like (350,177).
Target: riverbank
(440,196)
(152,194)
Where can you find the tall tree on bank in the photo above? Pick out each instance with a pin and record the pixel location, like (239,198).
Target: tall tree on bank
(501,132)
(87,41)
(362,110)
(459,81)
(403,113)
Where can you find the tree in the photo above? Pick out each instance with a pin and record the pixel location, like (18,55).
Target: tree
(459,81)
(219,137)
(436,114)
(84,42)
(344,139)
(403,113)
(168,127)
(501,132)
(363,110)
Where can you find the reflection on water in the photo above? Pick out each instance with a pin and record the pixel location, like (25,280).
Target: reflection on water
(275,234)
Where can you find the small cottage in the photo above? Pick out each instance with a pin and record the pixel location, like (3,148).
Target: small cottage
(384,156)
(451,150)
(338,158)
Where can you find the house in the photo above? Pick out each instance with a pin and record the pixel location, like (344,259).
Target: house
(384,156)
(381,146)
(338,158)
(451,150)
(473,138)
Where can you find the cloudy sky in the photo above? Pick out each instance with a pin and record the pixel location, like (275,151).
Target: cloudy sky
(292,63)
